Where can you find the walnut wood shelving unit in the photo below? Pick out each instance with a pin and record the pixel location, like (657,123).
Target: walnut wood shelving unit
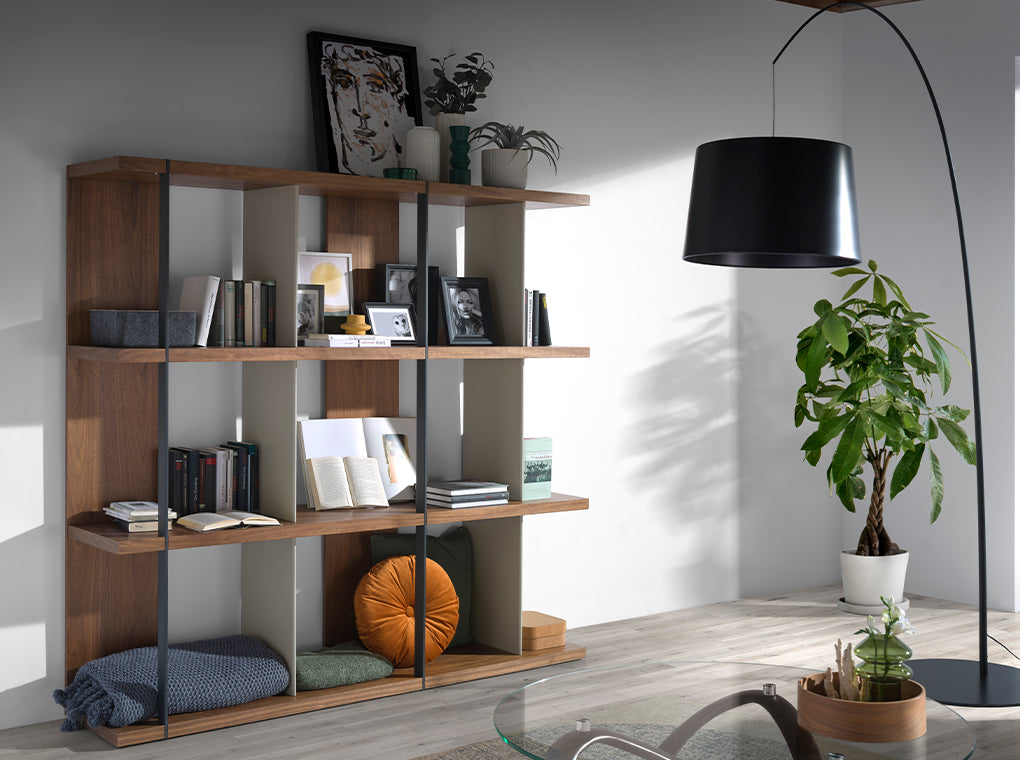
(117,254)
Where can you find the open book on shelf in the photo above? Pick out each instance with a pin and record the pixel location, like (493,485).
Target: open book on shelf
(390,441)
(206,521)
(344,483)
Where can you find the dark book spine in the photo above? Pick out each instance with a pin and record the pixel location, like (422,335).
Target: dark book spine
(238,313)
(536,305)
(242,477)
(192,478)
(209,481)
(253,469)
(216,329)
(272,312)
(544,337)
(177,458)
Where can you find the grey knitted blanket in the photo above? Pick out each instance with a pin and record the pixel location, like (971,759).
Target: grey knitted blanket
(121,689)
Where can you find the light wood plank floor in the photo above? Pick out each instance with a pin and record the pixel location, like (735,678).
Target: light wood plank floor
(797,628)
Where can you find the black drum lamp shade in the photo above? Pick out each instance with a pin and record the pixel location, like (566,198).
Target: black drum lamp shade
(773,202)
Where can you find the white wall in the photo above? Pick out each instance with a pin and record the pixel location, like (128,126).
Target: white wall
(908,224)
(652,427)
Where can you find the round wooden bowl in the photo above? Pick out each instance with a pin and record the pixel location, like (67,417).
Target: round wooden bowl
(898,721)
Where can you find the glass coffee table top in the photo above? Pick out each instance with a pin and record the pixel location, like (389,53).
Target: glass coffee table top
(619,713)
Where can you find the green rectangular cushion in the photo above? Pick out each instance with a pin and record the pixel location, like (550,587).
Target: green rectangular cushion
(452,552)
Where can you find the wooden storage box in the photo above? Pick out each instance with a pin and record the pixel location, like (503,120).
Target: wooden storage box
(541,631)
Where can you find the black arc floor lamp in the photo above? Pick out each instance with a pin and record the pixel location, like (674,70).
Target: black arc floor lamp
(774,202)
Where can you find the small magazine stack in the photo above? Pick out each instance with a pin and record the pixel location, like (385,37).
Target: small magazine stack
(454,494)
(138,516)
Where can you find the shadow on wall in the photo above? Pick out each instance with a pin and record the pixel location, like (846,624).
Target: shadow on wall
(688,421)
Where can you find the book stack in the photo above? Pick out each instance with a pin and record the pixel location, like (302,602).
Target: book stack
(454,494)
(231,313)
(137,516)
(214,478)
(352,341)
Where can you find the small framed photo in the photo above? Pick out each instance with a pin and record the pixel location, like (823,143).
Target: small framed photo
(400,285)
(467,310)
(310,309)
(392,320)
(365,99)
(333,272)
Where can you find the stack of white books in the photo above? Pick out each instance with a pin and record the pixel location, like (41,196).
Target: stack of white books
(336,340)
(454,494)
(138,516)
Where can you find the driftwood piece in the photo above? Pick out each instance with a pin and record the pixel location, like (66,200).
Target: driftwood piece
(848,688)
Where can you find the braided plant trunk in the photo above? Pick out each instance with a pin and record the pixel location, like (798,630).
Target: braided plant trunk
(874,540)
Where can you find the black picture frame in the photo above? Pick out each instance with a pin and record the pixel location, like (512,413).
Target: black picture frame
(311,309)
(478,328)
(392,320)
(377,79)
(397,284)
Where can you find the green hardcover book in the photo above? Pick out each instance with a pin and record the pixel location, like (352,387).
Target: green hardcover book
(537,469)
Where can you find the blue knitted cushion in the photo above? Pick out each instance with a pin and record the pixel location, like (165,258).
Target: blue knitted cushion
(121,688)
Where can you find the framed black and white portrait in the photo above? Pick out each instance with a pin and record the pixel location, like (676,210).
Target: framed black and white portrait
(310,309)
(400,285)
(392,320)
(467,310)
(365,99)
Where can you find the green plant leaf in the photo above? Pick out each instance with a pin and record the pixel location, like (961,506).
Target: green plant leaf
(941,361)
(812,457)
(822,307)
(848,450)
(844,490)
(835,332)
(872,265)
(855,287)
(814,362)
(799,414)
(827,430)
(847,270)
(958,437)
(905,470)
(935,471)
(879,293)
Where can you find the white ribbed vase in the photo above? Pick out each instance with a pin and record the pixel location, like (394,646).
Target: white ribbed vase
(421,152)
(505,167)
(443,123)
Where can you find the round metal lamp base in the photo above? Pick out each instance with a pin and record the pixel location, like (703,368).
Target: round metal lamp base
(959,683)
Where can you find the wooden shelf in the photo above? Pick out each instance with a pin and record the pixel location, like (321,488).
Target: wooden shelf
(401,682)
(558,503)
(281,354)
(229,177)
(106,535)
(474,661)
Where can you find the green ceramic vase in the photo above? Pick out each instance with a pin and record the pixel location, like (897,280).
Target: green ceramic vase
(460,174)
(883,668)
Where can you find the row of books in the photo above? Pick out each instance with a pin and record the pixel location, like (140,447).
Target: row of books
(214,478)
(454,494)
(536,319)
(230,313)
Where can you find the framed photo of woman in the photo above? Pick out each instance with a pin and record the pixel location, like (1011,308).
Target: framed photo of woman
(310,310)
(467,310)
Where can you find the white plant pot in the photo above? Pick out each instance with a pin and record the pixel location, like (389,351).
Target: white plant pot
(421,152)
(443,123)
(505,167)
(867,579)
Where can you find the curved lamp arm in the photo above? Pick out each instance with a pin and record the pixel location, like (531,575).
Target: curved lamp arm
(979,458)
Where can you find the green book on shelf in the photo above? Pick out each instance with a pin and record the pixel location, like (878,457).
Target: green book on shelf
(537,469)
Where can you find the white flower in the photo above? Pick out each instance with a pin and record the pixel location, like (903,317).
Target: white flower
(873,626)
(901,626)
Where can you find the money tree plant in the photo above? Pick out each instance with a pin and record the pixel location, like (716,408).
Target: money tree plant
(870,368)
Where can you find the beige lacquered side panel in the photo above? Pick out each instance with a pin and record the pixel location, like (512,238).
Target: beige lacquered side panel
(269,414)
(493,423)
(496,591)
(494,248)
(270,251)
(268,607)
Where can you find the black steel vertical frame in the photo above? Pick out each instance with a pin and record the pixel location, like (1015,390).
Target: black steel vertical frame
(162,654)
(421,436)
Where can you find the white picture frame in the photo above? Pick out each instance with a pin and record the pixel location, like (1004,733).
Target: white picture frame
(333,272)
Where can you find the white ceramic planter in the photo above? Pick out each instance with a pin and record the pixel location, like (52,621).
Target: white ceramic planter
(422,153)
(505,167)
(443,123)
(867,579)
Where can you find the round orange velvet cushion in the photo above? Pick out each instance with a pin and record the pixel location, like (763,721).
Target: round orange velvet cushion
(384,610)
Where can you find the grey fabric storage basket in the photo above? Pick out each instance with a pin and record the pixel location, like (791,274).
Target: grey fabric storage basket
(131,328)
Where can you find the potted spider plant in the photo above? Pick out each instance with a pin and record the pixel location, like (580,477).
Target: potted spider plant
(453,94)
(871,367)
(506,164)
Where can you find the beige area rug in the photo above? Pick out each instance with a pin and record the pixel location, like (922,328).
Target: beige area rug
(490,749)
